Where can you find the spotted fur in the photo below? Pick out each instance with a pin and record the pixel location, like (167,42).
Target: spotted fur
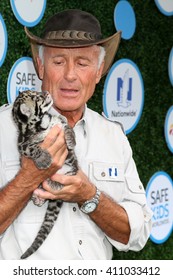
(31,115)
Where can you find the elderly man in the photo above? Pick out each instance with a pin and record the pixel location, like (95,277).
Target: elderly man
(104,204)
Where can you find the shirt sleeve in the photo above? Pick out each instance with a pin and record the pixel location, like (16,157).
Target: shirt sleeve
(140,224)
(135,204)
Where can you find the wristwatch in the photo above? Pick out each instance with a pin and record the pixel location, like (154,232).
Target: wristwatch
(90,205)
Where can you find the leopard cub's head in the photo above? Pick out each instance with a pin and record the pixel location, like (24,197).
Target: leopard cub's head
(30,106)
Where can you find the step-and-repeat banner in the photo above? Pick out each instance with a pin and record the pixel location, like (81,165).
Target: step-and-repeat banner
(123,95)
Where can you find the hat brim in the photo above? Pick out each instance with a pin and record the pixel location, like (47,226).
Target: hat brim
(110,45)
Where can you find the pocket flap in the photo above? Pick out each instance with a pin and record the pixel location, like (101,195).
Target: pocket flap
(135,185)
(104,171)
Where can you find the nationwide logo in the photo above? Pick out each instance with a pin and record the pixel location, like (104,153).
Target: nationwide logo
(123,95)
(28,12)
(124,90)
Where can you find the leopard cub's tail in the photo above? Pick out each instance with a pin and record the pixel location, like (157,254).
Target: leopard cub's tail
(46,227)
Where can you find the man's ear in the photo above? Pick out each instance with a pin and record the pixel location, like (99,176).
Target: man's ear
(99,73)
(40,68)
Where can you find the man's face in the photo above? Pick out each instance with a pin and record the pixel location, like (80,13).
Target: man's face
(70,75)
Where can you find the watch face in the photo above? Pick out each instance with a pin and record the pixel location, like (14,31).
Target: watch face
(90,207)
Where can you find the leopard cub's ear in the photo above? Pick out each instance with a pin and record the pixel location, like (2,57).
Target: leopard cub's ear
(25,110)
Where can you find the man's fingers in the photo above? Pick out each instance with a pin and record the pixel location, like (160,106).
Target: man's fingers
(51,137)
(55,144)
(44,194)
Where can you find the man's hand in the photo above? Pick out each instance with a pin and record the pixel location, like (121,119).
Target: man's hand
(76,188)
(55,144)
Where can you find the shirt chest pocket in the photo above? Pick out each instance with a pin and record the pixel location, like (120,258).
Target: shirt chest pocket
(108,177)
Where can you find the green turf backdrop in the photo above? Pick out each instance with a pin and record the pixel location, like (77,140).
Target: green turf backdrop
(149,49)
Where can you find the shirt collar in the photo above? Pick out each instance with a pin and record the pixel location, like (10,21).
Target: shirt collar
(81,122)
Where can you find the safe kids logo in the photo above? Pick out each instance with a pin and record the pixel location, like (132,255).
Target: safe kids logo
(168,129)
(22,77)
(159,193)
(3,40)
(28,12)
(123,95)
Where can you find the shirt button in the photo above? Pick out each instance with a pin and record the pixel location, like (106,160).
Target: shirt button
(74,209)
(140,187)
(103,174)
(80,242)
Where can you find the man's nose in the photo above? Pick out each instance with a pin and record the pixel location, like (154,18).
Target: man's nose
(70,71)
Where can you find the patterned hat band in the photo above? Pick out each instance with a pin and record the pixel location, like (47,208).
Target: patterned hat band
(72,35)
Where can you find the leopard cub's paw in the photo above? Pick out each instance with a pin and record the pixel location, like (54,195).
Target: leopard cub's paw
(38,201)
(44,160)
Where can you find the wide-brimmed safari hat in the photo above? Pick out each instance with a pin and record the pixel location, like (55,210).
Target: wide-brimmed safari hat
(73,29)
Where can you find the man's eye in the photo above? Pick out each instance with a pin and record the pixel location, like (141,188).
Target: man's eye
(83,64)
(58,62)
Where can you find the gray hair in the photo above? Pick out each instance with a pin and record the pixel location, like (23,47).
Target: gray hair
(100,59)
(101,56)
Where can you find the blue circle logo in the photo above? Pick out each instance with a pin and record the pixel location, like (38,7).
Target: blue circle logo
(3,40)
(168,128)
(124,19)
(123,94)
(28,12)
(159,194)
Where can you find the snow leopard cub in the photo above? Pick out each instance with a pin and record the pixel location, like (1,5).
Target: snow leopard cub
(31,115)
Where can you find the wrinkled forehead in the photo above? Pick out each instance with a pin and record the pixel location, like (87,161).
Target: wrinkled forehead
(91,51)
